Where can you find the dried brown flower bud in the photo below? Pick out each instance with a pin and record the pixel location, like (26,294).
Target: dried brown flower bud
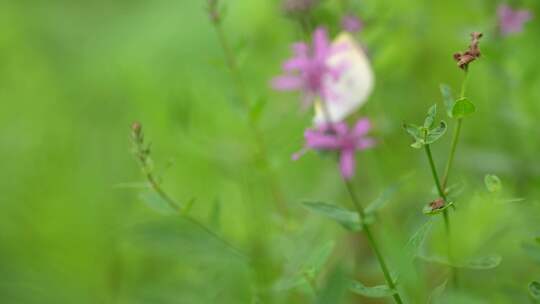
(463,59)
(213,11)
(136,130)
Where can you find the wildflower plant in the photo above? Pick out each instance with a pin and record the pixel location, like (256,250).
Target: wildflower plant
(336,136)
(457,109)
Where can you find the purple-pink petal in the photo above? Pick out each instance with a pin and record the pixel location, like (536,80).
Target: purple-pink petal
(287,83)
(347,163)
(351,23)
(365,143)
(361,127)
(321,44)
(319,140)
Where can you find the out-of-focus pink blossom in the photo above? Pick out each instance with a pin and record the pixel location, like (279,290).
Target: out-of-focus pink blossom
(511,21)
(351,23)
(308,70)
(339,137)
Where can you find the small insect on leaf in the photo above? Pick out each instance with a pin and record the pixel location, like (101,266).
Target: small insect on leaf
(534,290)
(463,107)
(493,183)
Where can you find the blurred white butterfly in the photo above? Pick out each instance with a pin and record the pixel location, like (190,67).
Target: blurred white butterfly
(354,85)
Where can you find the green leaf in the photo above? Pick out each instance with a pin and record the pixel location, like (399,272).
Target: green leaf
(380,291)
(157,203)
(463,107)
(317,259)
(534,290)
(487,262)
(537,239)
(348,219)
(448,98)
(384,198)
(417,144)
(335,288)
(414,130)
(435,134)
(416,242)
(430,119)
(437,292)
(493,183)
(481,263)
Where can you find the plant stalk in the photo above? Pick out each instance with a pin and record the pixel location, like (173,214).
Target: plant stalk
(373,242)
(262,154)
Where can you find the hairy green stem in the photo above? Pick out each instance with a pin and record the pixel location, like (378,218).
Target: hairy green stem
(262,153)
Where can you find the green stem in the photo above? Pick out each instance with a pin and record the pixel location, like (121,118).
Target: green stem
(455,137)
(262,153)
(373,242)
(174,205)
(434,172)
(445,214)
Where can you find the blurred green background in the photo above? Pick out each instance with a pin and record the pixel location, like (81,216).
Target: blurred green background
(75,74)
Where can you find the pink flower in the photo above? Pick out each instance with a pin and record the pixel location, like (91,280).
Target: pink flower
(351,23)
(512,21)
(338,137)
(309,70)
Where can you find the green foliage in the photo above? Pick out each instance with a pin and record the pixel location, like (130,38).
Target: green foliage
(448,99)
(493,183)
(348,219)
(462,108)
(534,290)
(427,133)
(379,291)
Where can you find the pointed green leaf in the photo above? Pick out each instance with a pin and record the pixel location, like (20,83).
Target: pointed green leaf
(417,144)
(317,259)
(380,291)
(463,107)
(416,242)
(414,130)
(437,292)
(487,262)
(493,183)
(157,203)
(348,219)
(448,99)
(430,119)
(435,134)
(335,288)
(534,290)
(384,198)
(482,263)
